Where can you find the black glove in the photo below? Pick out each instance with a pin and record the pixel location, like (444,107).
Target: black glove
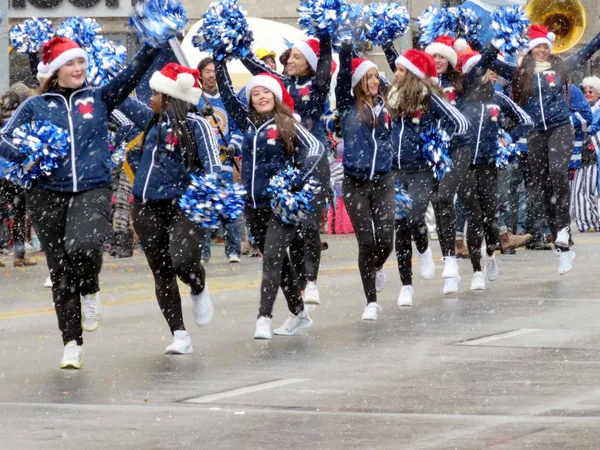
(230,151)
(207,110)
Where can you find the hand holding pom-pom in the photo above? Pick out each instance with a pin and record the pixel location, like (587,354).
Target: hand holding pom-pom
(510,25)
(384,22)
(507,151)
(435,22)
(224,31)
(290,204)
(30,36)
(79,29)
(157,21)
(435,149)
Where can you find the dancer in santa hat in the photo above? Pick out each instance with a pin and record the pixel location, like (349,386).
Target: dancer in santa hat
(485,109)
(176,143)
(273,140)
(368,180)
(417,104)
(70,209)
(309,70)
(540,86)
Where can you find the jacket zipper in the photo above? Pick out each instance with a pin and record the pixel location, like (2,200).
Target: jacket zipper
(376,148)
(149,173)
(400,145)
(479,134)
(541,102)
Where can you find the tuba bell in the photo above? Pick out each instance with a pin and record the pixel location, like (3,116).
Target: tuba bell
(565,18)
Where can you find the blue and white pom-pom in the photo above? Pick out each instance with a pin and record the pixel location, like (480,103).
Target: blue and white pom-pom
(403,201)
(82,30)
(384,22)
(323,17)
(469,24)
(506,154)
(350,26)
(510,25)
(117,155)
(292,207)
(224,31)
(208,203)
(43,145)
(435,22)
(434,144)
(30,36)
(106,59)
(157,21)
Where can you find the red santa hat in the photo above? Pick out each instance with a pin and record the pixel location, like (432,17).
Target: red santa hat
(360,67)
(539,34)
(448,47)
(467,61)
(273,84)
(593,82)
(310,50)
(57,52)
(419,63)
(178,82)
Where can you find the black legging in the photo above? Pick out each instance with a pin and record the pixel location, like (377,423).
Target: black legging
(479,194)
(443,200)
(172,244)
(273,238)
(72,228)
(16,196)
(371,208)
(549,153)
(419,186)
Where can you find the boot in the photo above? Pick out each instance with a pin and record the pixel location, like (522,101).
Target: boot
(510,241)
(461,249)
(24,262)
(2,264)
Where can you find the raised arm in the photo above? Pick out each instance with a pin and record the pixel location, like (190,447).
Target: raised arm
(515,114)
(471,80)
(235,108)
(390,52)
(206,143)
(577,59)
(116,90)
(256,66)
(343,88)
(452,119)
(137,112)
(22,115)
(126,128)
(504,69)
(322,81)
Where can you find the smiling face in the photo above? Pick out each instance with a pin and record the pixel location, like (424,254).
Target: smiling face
(262,100)
(591,95)
(370,82)
(72,74)
(541,52)
(297,65)
(400,74)
(441,63)
(208,77)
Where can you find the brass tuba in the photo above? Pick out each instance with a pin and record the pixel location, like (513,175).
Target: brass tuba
(565,18)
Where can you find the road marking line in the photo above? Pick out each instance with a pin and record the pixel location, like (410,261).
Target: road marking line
(497,337)
(211,398)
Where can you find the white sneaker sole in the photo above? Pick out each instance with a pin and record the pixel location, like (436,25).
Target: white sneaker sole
(90,327)
(567,271)
(452,290)
(312,301)
(477,288)
(263,336)
(73,365)
(178,352)
(286,332)
(404,304)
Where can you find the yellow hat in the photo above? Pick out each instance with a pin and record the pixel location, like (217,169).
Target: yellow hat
(263,53)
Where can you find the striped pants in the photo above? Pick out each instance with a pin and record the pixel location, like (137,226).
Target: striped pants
(121,214)
(584,198)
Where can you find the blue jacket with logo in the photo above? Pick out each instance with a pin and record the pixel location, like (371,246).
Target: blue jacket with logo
(263,154)
(367,150)
(160,171)
(85,115)
(582,118)
(310,93)
(547,104)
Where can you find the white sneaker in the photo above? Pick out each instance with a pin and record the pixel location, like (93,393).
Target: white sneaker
(406,296)
(371,311)
(202,307)
(562,238)
(426,264)
(72,356)
(565,260)
(491,268)
(48,282)
(294,323)
(311,294)
(234,258)
(451,285)
(379,280)
(450,267)
(90,312)
(182,344)
(263,328)
(478,282)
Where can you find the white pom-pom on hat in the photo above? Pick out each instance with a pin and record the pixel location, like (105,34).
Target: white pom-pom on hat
(460,45)
(551,36)
(178,82)
(185,81)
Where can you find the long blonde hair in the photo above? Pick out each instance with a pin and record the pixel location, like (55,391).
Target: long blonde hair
(407,97)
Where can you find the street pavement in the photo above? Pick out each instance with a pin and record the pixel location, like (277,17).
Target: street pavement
(514,367)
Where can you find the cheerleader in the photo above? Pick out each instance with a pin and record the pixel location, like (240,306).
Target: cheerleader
(70,209)
(272,141)
(308,80)
(175,144)
(540,86)
(416,104)
(485,108)
(368,180)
